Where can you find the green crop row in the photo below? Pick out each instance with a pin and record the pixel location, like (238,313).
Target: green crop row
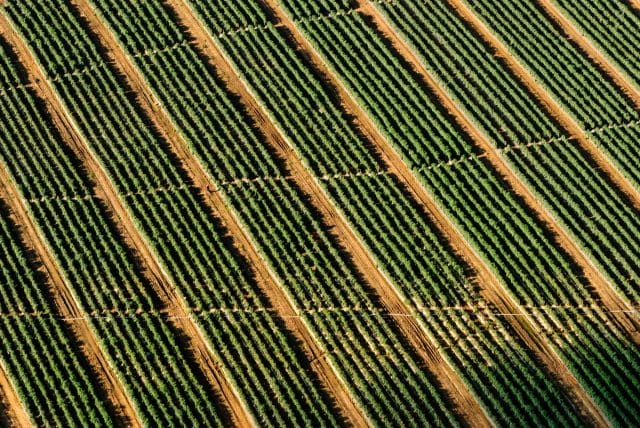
(597,215)
(39,351)
(97,267)
(569,76)
(612,26)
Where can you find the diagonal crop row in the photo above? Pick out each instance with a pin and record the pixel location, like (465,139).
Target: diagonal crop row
(612,26)
(96,265)
(378,367)
(260,357)
(589,95)
(411,253)
(40,354)
(512,241)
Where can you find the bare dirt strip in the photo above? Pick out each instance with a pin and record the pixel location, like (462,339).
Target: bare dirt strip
(619,79)
(207,50)
(492,289)
(284,306)
(635,4)
(618,76)
(68,309)
(265,278)
(104,190)
(12,414)
(611,300)
(610,297)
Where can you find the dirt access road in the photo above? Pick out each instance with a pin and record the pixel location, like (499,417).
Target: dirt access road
(340,230)
(178,317)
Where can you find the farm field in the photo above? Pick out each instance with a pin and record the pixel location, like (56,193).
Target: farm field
(319,213)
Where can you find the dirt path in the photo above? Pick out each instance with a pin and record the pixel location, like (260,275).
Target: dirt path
(66,302)
(104,190)
(268,279)
(635,4)
(396,166)
(610,297)
(492,289)
(619,76)
(12,414)
(620,79)
(331,218)
(606,291)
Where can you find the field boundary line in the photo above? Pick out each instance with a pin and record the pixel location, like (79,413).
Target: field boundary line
(202,352)
(215,201)
(14,88)
(246,29)
(492,287)
(604,286)
(435,213)
(195,313)
(168,314)
(615,304)
(566,120)
(311,186)
(597,130)
(74,139)
(497,160)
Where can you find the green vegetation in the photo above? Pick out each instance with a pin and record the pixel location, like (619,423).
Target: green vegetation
(271,373)
(612,26)
(591,98)
(349,323)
